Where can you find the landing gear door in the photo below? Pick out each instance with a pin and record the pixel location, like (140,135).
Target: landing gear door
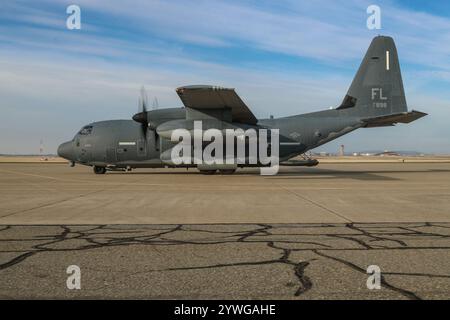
(85,155)
(111,156)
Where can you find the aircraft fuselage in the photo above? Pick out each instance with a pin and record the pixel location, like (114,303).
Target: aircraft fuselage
(375,98)
(121,144)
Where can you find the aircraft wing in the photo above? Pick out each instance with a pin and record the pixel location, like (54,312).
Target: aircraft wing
(391,119)
(209,97)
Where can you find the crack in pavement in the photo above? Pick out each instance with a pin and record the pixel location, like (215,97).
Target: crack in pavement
(406,293)
(316,243)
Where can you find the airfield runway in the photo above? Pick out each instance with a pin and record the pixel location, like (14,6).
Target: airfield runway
(305,233)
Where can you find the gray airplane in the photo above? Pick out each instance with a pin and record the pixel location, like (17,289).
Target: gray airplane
(375,99)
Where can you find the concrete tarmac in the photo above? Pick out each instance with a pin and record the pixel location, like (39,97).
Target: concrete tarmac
(330,193)
(307,233)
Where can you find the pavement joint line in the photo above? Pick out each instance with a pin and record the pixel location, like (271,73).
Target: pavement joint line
(32,175)
(58,202)
(318,205)
(50,204)
(74,180)
(241,198)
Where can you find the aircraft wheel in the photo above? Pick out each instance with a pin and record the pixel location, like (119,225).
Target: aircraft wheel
(227,171)
(99,170)
(207,171)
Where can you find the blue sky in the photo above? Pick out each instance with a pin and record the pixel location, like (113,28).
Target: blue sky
(283,58)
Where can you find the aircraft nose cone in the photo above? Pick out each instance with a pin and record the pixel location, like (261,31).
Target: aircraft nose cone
(65,150)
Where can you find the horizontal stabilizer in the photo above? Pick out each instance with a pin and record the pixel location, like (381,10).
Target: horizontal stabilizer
(392,119)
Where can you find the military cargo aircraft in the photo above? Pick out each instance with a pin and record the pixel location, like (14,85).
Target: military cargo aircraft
(375,98)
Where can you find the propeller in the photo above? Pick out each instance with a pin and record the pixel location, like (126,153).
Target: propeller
(142,115)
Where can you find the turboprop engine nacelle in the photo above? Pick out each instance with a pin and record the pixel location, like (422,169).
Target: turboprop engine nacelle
(166,129)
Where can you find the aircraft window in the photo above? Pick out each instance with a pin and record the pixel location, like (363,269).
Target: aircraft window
(86,130)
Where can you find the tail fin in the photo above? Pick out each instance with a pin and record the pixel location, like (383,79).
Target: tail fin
(377,88)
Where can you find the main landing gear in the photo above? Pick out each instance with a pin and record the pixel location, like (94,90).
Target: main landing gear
(99,170)
(227,171)
(305,161)
(221,171)
(207,171)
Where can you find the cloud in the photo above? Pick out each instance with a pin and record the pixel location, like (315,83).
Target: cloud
(283,58)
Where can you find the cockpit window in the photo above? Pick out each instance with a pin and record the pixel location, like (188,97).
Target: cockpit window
(86,130)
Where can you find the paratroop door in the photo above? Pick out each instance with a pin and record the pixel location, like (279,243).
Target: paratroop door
(141,148)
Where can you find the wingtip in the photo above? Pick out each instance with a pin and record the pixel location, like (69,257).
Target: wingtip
(422,114)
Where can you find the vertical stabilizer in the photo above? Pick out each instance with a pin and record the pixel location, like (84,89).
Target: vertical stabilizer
(377,88)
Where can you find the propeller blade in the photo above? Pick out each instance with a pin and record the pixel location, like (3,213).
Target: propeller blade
(140,105)
(155,104)
(144,130)
(144,99)
(142,116)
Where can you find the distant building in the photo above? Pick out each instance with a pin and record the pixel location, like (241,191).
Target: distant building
(387,153)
